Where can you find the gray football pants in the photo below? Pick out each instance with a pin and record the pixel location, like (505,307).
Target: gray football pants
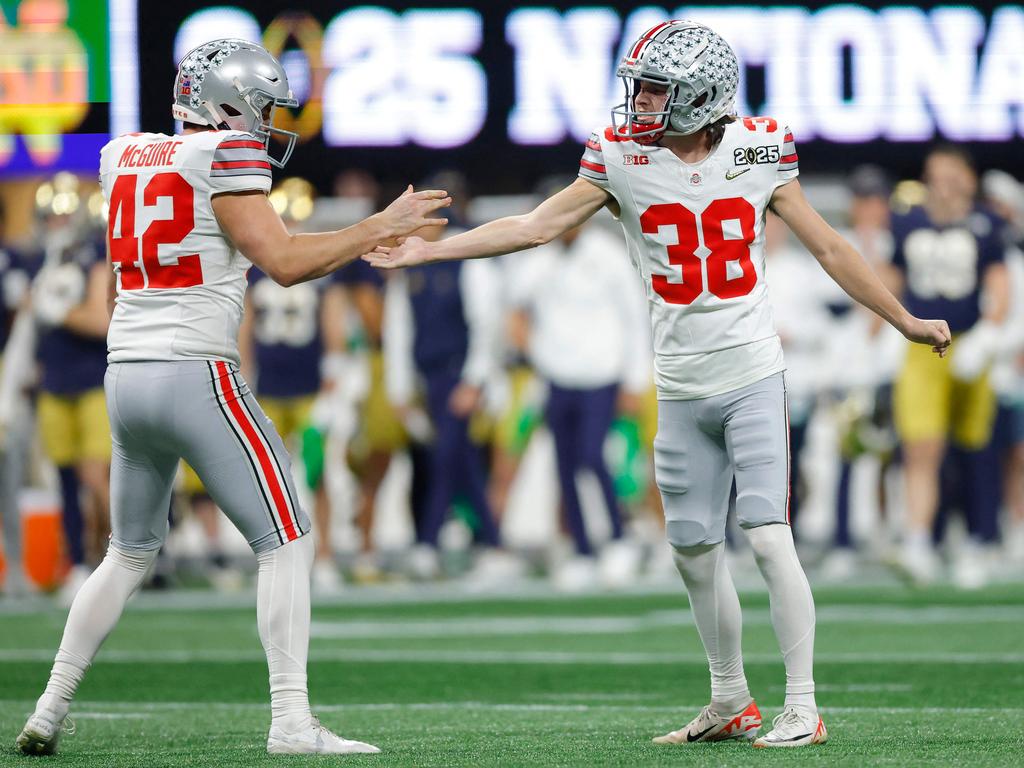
(203,412)
(703,445)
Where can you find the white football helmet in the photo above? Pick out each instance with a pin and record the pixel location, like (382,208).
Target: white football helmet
(230,84)
(699,69)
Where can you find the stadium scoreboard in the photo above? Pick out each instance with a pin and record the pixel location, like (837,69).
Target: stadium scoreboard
(513,89)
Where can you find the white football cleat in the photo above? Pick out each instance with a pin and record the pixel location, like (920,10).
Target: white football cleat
(577,574)
(919,563)
(711,726)
(619,563)
(495,568)
(315,740)
(970,567)
(423,563)
(43,728)
(795,727)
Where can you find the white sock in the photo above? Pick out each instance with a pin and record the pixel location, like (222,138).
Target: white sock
(792,608)
(716,611)
(282,613)
(94,613)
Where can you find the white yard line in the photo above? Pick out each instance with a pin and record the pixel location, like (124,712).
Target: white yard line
(504,626)
(372,655)
(100,709)
(443,593)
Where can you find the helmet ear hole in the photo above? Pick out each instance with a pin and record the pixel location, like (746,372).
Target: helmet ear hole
(700,100)
(230,111)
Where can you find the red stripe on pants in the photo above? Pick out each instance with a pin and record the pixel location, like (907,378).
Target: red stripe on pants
(261,453)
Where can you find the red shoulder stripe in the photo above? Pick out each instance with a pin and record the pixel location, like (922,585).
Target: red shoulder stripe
(593,167)
(789,158)
(788,137)
(591,144)
(224,165)
(240,144)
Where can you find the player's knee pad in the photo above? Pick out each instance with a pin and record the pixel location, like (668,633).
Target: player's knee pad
(757,507)
(684,534)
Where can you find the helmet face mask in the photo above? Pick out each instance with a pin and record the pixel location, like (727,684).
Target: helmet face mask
(640,125)
(264,105)
(697,66)
(234,84)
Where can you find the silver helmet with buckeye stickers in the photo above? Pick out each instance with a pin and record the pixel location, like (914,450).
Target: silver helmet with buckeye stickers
(234,84)
(697,66)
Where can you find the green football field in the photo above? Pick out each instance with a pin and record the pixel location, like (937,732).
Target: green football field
(435,679)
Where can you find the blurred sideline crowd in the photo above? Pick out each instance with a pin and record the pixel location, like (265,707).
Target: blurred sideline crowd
(491,420)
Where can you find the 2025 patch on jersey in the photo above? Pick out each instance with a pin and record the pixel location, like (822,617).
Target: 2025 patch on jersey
(695,233)
(180,281)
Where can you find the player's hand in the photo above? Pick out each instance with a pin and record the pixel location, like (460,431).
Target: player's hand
(465,399)
(408,253)
(933,332)
(412,210)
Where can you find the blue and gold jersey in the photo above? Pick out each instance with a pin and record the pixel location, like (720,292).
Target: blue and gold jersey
(944,264)
(286,335)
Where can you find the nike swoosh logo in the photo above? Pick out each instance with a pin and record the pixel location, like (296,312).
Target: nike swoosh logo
(698,736)
(797,738)
(730,175)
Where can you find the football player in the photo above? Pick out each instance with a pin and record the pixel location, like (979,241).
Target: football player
(380,433)
(948,253)
(68,301)
(189,215)
(690,184)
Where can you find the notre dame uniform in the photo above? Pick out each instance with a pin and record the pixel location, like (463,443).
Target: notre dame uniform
(944,268)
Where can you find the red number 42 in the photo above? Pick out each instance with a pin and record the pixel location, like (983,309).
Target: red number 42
(125,243)
(723,250)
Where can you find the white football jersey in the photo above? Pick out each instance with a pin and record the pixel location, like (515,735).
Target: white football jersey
(180,281)
(696,235)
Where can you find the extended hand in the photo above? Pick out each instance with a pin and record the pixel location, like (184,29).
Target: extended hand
(409,211)
(933,332)
(410,252)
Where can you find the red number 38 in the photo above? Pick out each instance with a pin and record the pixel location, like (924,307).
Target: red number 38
(723,250)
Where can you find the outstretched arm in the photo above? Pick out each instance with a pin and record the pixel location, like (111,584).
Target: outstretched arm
(849,269)
(257,231)
(559,213)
